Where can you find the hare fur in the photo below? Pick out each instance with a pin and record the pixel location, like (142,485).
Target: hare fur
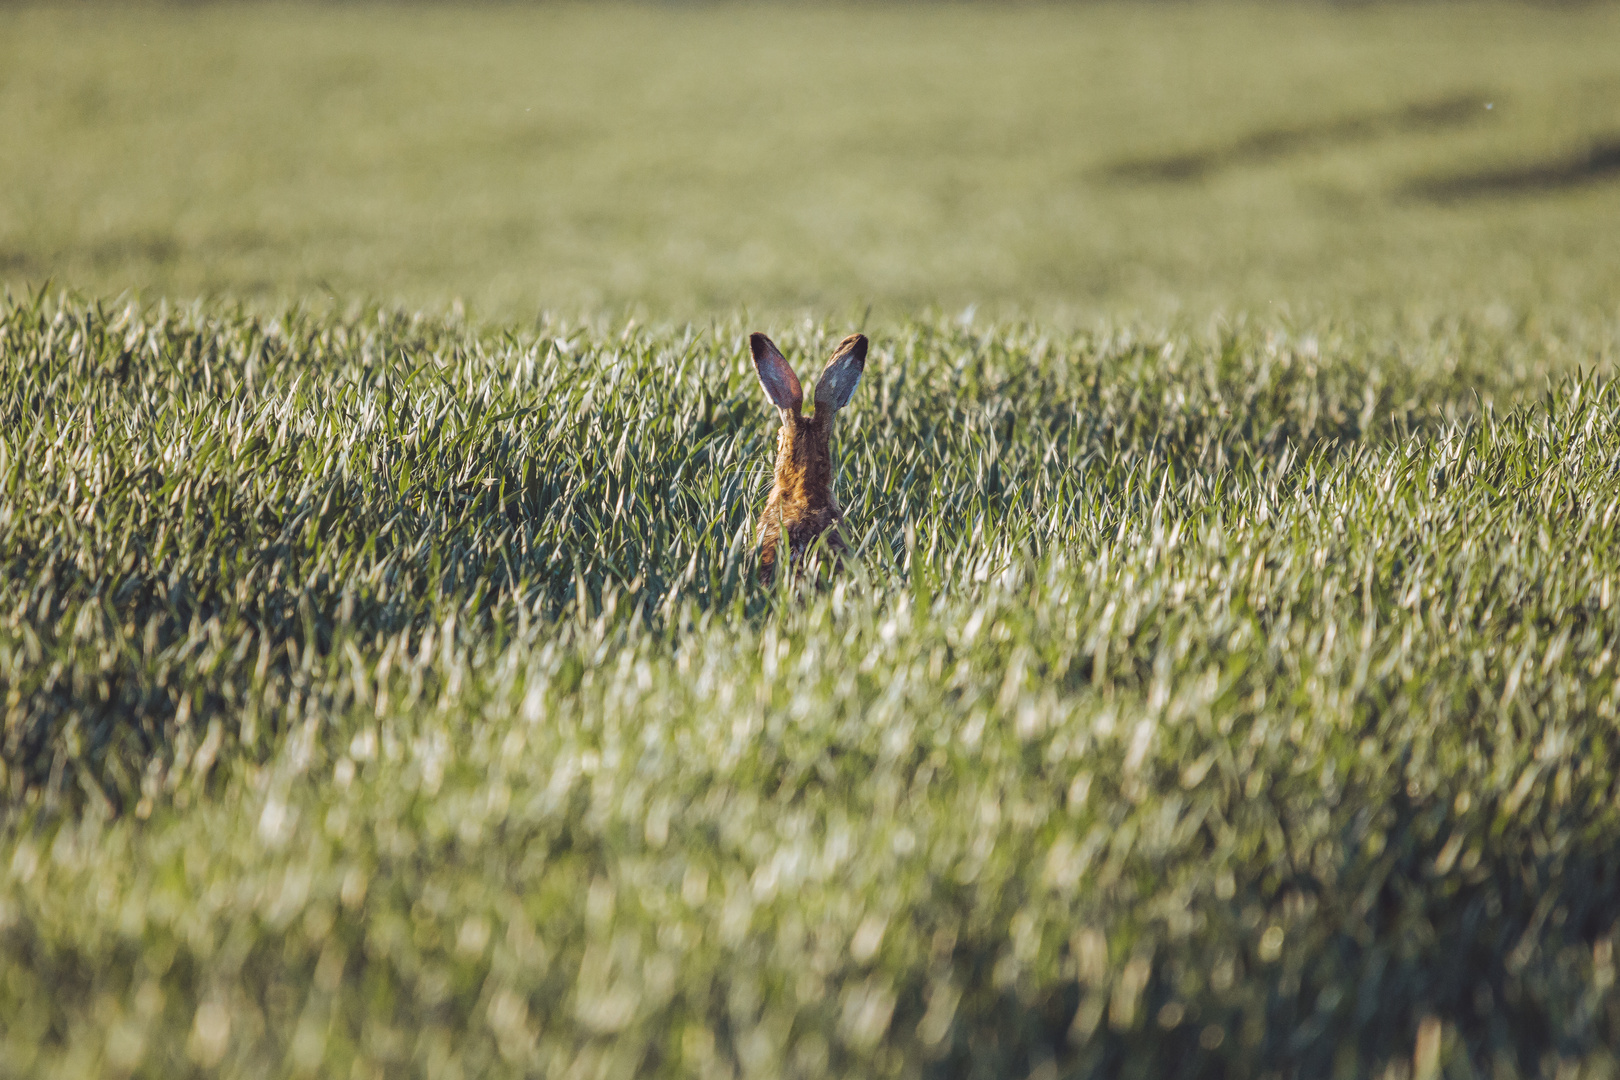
(801,502)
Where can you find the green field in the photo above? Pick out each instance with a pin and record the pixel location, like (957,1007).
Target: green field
(1051,161)
(388,695)
(1224,681)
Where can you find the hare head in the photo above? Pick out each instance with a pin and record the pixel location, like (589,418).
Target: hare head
(801,504)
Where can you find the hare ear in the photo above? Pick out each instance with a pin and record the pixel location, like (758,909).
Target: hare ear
(842,373)
(781,385)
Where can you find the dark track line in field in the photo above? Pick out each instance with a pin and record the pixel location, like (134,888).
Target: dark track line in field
(1269,144)
(1598,163)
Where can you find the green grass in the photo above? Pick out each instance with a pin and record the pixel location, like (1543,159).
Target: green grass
(1225,682)
(683,160)
(391,695)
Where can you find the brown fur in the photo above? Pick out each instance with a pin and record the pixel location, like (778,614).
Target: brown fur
(801,502)
(801,499)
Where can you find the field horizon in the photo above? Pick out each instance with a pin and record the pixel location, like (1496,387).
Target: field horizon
(1062,163)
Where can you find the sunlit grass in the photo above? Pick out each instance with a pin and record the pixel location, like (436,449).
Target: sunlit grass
(390,695)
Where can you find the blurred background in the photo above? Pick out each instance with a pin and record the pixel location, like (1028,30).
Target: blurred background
(1056,161)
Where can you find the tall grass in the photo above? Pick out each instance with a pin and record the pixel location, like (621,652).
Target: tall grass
(386,694)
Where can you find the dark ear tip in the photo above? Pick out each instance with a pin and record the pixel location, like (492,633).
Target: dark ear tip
(759,345)
(853,346)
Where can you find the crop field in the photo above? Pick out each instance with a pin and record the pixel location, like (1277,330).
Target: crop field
(385,695)
(693,160)
(1223,681)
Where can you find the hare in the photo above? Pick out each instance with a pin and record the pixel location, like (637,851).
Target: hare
(801,502)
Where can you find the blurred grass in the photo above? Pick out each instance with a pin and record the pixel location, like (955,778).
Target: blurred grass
(690,159)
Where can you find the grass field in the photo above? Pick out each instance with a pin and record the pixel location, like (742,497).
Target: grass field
(385,695)
(1224,683)
(1050,161)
